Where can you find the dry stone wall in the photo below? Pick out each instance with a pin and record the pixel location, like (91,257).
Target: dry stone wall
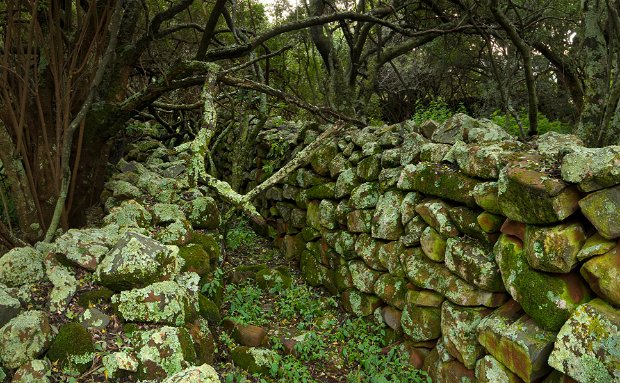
(494,260)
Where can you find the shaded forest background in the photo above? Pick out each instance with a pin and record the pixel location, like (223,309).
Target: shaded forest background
(78,78)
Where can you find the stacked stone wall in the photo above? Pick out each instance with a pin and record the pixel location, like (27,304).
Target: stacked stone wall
(493,260)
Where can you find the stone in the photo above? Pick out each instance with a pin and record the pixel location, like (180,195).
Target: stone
(314,273)
(368,169)
(64,284)
(547,298)
(557,377)
(603,275)
(10,306)
(392,290)
(327,214)
(202,213)
(516,341)
(464,128)
(363,276)
(343,242)
(485,195)
(359,303)
(93,318)
(130,213)
(555,145)
(342,278)
(490,223)
(279,277)
(586,348)
(392,318)
(292,246)
(346,182)
(474,262)
(371,148)
(72,347)
(436,213)
(202,340)
(21,266)
(199,374)
(166,213)
(466,222)
(367,248)
(24,338)
(86,247)
(162,352)
(410,150)
(307,178)
(428,127)
(35,371)
(428,298)
(119,363)
(323,156)
(195,259)
(514,228)
(338,165)
(389,256)
(592,168)
(535,197)
(364,196)
(483,160)
(602,209)
(386,223)
(176,233)
(359,221)
(122,190)
(554,248)
(433,152)
(427,274)
(421,323)
(161,302)
(490,370)
(324,190)
(246,334)
(413,231)
(439,180)
(313,215)
(444,370)
(407,207)
(254,360)
(390,158)
(458,329)
(595,245)
(433,245)
(137,261)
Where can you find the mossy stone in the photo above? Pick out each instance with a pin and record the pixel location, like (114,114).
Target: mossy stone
(322,191)
(254,360)
(73,342)
(270,278)
(490,223)
(209,310)
(602,209)
(433,245)
(364,196)
(554,248)
(95,297)
(195,258)
(368,169)
(485,195)
(209,243)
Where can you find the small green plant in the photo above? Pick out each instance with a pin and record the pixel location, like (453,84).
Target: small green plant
(240,235)
(437,110)
(544,125)
(245,304)
(211,287)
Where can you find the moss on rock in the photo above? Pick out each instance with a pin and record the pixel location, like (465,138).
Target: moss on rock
(72,346)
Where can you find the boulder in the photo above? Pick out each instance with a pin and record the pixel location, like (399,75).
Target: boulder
(363,276)
(72,347)
(486,196)
(368,169)
(433,245)
(199,374)
(202,213)
(364,196)
(367,248)
(35,371)
(554,248)
(20,266)
(464,128)
(327,214)
(516,341)
(323,156)
(548,298)
(391,289)
(136,261)
(483,160)
(86,247)
(359,303)
(602,209)
(466,222)
(595,245)
(592,168)
(346,182)
(130,213)
(407,207)
(24,338)
(10,306)
(389,257)
(587,344)
(162,352)
(359,221)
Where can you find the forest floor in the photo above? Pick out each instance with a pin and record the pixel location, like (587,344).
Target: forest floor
(315,339)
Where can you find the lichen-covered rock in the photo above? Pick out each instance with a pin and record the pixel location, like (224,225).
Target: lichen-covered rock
(433,152)
(323,156)
(548,298)
(592,168)
(24,338)
(210,243)
(410,150)
(130,213)
(202,340)
(307,178)
(458,328)
(436,213)
(474,262)
(595,245)
(367,248)
(554,248)
(163,352)
(485,195)
(516,341)
(483,161)
(368,169)
(442,368)
(413,231)
(490,223)
(359,221)
(35,371)
(166,213)
(137,261)
(466,221)
(555,145)
(428,298)
(324,190)
(327,214)
(587,345)
(364,196)
(363,276)
(94,318)
(433,245)
(602,208)
(359,303)
(389,257)
(199,374)
(603,275)
(386,223)
(270,278)
(20,266)
(346,182)
(86,247)
(313,215)
(342,278)
(162,302)
(534,197)
(176,233)
(391,289)
(10,306)
(343,242)
(254,360)
(407,207)
(390,158)
(439,180)
(64,282)
(122,190)
(490,370)
(427,274)
(461,127)
(73,347)
(195,259)
(118,363)
(339,164)
(314,273)
(421,323)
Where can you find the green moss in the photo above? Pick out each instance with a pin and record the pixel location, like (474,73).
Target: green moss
(270,278)
(195,258)
(130,328)
(209,310)
(72,341)
(322,191)
(95,297)
(209,243)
